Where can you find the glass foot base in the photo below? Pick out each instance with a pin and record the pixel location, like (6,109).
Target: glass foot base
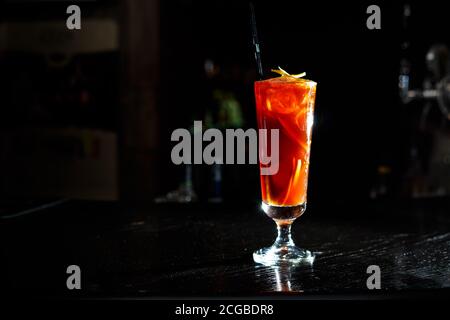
(283,251)
(290,255)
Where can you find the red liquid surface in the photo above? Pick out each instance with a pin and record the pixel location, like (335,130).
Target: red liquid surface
(286,104)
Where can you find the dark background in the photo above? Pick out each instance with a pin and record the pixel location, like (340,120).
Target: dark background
(154,82)
(88,114)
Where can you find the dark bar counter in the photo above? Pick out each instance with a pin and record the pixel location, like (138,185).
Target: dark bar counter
(174,250)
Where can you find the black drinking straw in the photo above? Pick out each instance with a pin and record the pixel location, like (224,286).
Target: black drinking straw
(256,42)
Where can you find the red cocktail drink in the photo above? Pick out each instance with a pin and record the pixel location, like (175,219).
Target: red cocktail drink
(287,104)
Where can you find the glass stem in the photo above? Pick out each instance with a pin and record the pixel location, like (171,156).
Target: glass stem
(284,238)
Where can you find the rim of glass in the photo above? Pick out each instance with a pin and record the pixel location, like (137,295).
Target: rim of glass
(291,80)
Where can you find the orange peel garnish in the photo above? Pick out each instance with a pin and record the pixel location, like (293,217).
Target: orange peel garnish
(283,73)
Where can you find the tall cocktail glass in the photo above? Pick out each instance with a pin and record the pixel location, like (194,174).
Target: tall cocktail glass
(285,103)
